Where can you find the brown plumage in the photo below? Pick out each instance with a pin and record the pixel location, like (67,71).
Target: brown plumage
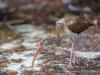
(79,23)
(72,24)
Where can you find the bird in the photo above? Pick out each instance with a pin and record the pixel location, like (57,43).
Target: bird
(72,26)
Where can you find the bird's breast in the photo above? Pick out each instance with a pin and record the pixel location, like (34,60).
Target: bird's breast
(68,32)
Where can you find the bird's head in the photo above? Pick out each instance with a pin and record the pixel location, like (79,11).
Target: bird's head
(57,36)
(60,22)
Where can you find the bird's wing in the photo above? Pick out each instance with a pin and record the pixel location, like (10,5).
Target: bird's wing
(77,24)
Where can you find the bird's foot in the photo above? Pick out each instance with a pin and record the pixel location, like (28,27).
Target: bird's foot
(70,65)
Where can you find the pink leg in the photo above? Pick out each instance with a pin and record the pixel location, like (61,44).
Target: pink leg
(72,57)
(73,46)
(70,63)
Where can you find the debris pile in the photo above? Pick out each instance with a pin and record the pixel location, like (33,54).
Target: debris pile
(7,35)
(27,72)
(53,58)
(17,54)
(58,61)
(20,48)
(3,61)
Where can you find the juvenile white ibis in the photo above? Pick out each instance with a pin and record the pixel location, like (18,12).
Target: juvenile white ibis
(71,26)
